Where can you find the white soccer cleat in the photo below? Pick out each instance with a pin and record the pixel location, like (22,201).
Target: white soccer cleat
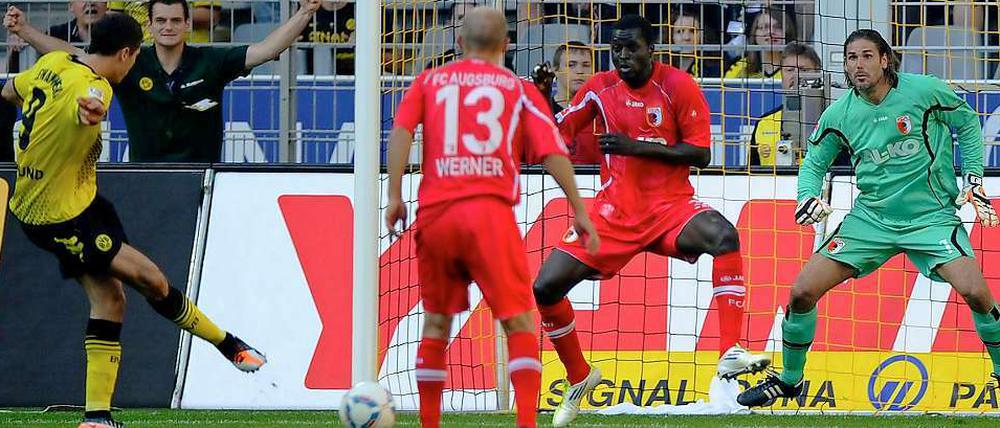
(572,397)
(737,361)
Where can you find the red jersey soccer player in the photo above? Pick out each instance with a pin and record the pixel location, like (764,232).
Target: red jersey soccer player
(655,124)
(478,119)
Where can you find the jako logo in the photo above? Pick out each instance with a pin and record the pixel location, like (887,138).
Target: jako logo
(895,391)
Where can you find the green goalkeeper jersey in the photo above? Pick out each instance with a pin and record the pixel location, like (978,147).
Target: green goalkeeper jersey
(902,148)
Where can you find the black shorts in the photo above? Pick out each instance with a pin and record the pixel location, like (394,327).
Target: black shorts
(85,244)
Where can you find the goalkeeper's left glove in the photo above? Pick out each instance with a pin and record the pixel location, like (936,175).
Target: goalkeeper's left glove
(973,192)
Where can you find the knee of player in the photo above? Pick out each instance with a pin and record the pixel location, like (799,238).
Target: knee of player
(728,239)
(802,299)
(112,302)
(545,292)
(520,322)
(154,283)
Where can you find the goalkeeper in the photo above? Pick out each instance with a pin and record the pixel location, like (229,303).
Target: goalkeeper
(897,129)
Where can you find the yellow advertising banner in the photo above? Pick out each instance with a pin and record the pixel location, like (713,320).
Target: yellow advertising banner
(840,381)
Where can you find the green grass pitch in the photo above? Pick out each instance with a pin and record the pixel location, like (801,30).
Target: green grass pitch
(242,419)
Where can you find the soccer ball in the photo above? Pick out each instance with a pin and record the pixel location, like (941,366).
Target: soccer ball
(368,405)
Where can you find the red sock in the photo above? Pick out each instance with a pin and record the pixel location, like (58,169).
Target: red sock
(559,324)
(729,292)
(525,375)
(430,380)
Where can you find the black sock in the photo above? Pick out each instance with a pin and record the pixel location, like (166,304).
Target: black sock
(171,306)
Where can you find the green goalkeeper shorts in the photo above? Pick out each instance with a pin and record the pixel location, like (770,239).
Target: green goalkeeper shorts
(865,243)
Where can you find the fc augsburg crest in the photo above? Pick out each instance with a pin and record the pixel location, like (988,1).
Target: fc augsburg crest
(904,125)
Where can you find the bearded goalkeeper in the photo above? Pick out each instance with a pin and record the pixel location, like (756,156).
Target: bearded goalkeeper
(897,128)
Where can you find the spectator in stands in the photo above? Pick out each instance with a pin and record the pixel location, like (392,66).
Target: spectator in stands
(764,150)
(77,30)
(684,34)
(572,66)
(334,23)
(204,16)
(771,29)
(172,98)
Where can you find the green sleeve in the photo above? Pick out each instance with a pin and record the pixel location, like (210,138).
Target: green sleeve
(955,112)
(824,146)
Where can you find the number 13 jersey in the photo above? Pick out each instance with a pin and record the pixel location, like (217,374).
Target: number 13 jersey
(479,122)
(56,155)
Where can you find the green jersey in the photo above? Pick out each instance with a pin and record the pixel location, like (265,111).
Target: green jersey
(902,148)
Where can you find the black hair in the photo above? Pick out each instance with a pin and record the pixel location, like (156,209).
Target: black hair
(183,3)
(637,22)
(561,50)
(803,50)
(114,32)
(892,71)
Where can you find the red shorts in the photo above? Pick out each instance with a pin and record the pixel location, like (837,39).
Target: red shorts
(622,240)
(467,240)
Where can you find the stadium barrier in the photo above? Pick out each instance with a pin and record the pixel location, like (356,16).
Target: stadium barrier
(43,317)
(893,341)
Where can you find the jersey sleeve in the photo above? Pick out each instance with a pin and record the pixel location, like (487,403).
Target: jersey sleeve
(691,112)
(825,144)
(955,112)
(410,112)
(582,110)
(539,135)
(232,61)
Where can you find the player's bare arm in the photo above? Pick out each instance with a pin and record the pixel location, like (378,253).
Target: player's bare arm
(560,168)
(10,94)
(399,151)
(282,37)
(680,153)
(16,22)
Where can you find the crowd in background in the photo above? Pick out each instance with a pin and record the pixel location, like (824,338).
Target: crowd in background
(705,39)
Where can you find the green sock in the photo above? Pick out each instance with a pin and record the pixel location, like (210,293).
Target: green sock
(988,327)
(797,331)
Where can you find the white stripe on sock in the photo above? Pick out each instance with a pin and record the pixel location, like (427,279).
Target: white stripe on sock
(561,331)
(524,363)
(431,375)
(741,290)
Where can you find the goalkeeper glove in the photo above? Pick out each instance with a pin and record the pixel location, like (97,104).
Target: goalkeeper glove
(973,192)
(812,210)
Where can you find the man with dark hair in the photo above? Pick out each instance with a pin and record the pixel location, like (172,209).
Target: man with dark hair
(573,65)
(172,99)
(653,126)
(55,200)
(898,129)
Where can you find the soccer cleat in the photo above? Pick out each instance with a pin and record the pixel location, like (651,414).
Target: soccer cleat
(766,392)
(100,423)
(243,356)
(737,361)
(572,397)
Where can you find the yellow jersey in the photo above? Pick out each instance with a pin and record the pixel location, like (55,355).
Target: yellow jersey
(766,134)
(56,155)
(137,10)
(740,69)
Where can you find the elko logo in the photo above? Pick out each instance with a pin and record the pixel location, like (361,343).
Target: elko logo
(894,375)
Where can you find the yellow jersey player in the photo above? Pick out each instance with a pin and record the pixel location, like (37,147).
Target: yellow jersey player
(64,98)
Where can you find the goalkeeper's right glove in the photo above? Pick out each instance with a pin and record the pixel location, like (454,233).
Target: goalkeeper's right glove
(973,192)
(812,210)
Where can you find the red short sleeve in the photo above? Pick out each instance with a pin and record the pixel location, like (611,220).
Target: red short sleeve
(540,137)
(691,110)
(410,112)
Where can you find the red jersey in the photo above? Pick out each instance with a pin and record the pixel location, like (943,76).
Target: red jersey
(479,120)
(669,109)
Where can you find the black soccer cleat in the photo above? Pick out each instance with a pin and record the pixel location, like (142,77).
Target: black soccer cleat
(765,393)
(243,356)
(100,423)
